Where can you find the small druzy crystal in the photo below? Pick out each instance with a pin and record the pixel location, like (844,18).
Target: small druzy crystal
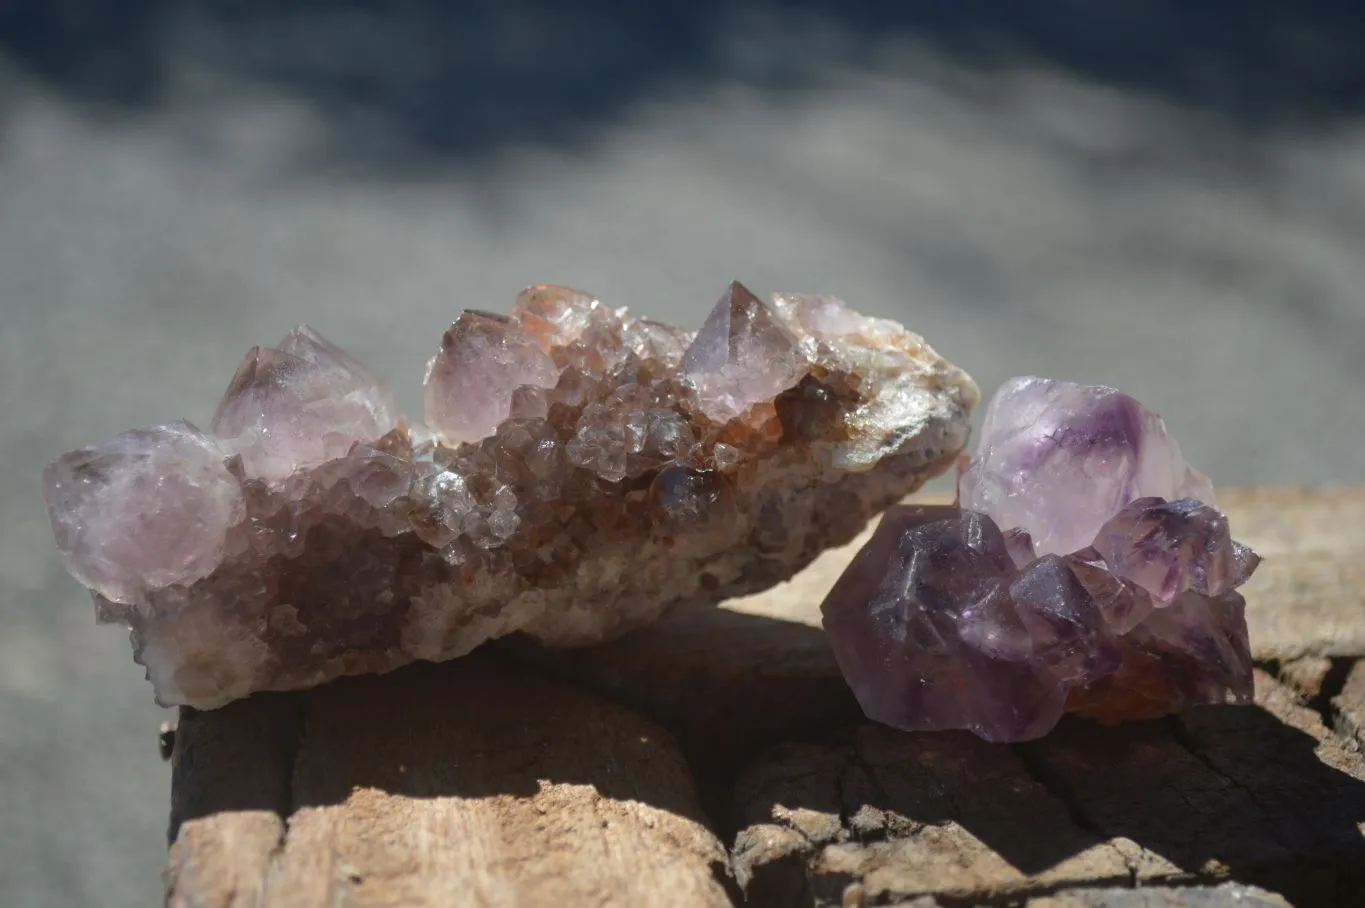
(1085,568)
(580,470)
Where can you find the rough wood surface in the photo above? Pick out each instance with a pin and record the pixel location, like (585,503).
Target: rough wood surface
(464,784)
(521,777)
(1266,795)
(1226,895)
(1308,598)
(1347,708)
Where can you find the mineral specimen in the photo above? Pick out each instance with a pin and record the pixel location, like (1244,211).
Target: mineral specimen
(1110,591)
(580,470)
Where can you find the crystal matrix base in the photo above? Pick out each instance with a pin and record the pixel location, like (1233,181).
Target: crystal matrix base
(580,470)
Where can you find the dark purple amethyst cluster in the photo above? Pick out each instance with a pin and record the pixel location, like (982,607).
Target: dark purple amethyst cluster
(1085,568)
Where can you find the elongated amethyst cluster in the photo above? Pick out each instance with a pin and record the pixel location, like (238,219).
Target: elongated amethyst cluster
(580,470)
(1085,568)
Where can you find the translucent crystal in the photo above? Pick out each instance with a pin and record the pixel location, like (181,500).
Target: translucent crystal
(943,621)
(1068,634)
(742,355)
(1060,459)
(298,405)
(147,509)
(923,626)
(484,359)
(687,499)
(556,316)
(574,483)
(1167,547)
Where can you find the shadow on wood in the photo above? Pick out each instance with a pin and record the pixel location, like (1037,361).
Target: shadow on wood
(471,777)
(726,683)
(548,777)
(1261,795)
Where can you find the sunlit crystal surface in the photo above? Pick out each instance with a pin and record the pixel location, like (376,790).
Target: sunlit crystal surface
(579,470)
(1099,596)
(1058,459)
(743,355)
(147,509)
(484,359)
(298,405)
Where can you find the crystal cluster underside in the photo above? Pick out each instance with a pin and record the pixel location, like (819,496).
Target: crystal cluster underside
(579,471)
(1085,568)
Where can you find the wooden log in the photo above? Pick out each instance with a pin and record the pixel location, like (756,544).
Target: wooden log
(1308,597)
(521,777)
(1229,894)
(1265,795)
(1346,708)
(470,783)
(1226,895)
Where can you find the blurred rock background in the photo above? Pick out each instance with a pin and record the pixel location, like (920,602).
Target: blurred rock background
(1141,193)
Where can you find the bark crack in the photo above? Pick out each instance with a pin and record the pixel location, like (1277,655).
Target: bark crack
(293,727)
(1182,736)
(1332,685)
(1057,788)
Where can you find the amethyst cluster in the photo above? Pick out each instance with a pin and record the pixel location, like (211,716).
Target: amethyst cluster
(578,470)
(1085,568)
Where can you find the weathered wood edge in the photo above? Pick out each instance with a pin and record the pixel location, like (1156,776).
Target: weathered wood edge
(468,783)
(285,797)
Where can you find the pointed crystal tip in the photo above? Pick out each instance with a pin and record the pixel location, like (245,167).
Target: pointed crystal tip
(300,404)
(484,359)
(742,355)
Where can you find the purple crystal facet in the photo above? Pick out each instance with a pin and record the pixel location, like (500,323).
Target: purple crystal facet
(1167,547)
(923,625)
(149,508)
(742,355)
(485,358)
(298,405)
(1109,592)
(1059,459)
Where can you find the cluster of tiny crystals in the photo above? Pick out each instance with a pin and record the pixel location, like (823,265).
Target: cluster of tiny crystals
(1085,568)
(578,471)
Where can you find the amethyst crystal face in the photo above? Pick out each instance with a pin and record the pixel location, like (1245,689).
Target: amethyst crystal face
(578,471)
(1085,568)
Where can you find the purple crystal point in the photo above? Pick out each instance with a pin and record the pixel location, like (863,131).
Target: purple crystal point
(1059,459)
(742,355)
(924,629)
(1122,604)
(1109,593)
(1168,547)
(1069,635)
(484,359)
(1202,644)
(298,405)
(149,508)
